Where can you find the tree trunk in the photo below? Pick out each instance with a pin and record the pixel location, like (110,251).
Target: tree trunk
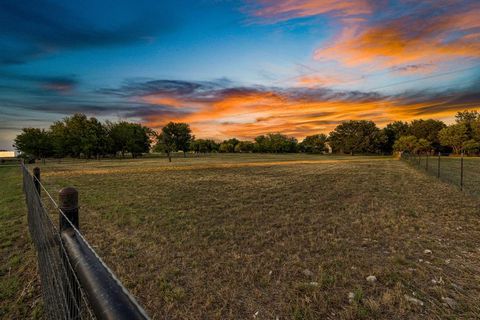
(184,154)
(169,157)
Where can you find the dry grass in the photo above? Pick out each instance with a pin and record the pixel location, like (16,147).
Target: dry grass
(287,236)
(19,286)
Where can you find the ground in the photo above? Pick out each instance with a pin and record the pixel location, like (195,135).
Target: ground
(287,236)
(19,285)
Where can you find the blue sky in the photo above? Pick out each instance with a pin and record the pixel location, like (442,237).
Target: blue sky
(237,68)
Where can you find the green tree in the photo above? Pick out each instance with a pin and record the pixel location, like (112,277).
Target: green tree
(423,145)
(428,130)
(175,137)
(471,120)
(406,144)
(275,143)
(244,146)
(204,145)
(228,145)
(471,146)
(127,137)
(166,143)
(393,131)
(454,136)
(357,136)
(314,143)
(34,142)
(78,135)
(59,139)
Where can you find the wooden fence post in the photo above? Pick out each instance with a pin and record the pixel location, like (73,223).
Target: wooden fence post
(68,200)
(36,179)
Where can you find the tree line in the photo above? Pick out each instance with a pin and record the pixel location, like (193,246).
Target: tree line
(80,136)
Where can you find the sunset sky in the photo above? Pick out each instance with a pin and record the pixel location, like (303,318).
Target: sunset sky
(237,68)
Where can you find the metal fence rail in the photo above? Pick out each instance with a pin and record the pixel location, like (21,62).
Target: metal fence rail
(76,283)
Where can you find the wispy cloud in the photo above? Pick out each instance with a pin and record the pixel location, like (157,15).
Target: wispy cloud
(281,10)
(214,110)
(405,34)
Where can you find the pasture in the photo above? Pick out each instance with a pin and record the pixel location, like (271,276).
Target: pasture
(277,236)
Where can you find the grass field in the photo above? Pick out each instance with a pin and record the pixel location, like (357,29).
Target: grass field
(19,286)
(287,236)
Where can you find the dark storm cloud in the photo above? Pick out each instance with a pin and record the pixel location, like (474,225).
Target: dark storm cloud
(146,88)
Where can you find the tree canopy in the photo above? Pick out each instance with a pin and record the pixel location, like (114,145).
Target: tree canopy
(357,136)
(174,137)
(79,136)
(314,143)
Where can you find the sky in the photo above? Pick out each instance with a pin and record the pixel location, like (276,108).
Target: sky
(237,68)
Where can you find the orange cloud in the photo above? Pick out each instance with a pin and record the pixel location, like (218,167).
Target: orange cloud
(280,10)
(250,114)
(410,39)
(315,81)
(162,100)
(380,35)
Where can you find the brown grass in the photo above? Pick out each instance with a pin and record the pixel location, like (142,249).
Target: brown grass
(19,285)
(287,236)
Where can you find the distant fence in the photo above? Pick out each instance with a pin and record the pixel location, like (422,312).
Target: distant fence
(76,283)
(461,171)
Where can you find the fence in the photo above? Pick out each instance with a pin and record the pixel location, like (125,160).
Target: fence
(461,171)
(76,283)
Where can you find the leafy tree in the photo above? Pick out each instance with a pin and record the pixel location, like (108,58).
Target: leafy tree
(77,135)
(213,146)
(314,143)
(34,142)
(406,144)
(204,145)
(393,131)
(261,144)
(471,146)
(454,136)
(228,145)
(181,134)
(59,139)
(428,130)
(275,143)
(175,137)
(423,145)
(129,137)
(357,136)
(166,143)
(199,145)
(467,117)
(244,146)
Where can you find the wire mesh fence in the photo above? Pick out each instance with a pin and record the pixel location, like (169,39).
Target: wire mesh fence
(76,283)
(62,293)
(460,171)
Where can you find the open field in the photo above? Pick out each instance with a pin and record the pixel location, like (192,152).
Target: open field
(288,236)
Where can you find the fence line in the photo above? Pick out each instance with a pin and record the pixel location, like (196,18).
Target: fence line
(447,168)
(76,283)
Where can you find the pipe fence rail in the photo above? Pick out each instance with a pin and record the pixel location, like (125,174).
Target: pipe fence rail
(75,282)
(461,171)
